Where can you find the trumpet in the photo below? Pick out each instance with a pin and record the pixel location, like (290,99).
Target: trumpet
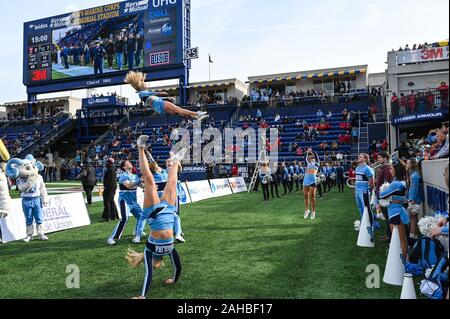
(350,184)
(267,179)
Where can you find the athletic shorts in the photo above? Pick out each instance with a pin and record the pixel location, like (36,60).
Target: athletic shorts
(160,250)
(310,180)
(157,104)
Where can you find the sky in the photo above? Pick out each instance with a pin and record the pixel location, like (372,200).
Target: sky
(257,37)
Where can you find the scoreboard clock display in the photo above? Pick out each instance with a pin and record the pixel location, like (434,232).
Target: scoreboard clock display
(39,57)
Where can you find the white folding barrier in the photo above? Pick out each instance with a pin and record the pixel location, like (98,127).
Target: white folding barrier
(64,212)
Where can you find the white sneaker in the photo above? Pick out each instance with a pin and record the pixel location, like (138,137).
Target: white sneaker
(381,217)
(202,116)
(180,239)
(136,240)
(313,215)
(307,214)
(142,140)
(142,235)
(43,237)
(111,242)
(28,238)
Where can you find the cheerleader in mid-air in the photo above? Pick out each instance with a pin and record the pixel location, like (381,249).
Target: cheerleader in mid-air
(154,100)
(161,217)
(310,183)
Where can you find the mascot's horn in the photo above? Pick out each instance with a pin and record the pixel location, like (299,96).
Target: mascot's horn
(4,154)
(12,170)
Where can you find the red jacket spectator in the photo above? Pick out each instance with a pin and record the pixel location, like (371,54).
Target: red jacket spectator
(385,145)
(412,102)
(264,125)
(443,89)
(234,171)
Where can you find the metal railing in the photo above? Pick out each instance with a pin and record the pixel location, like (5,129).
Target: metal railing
(422,101)
(57,129)
(99,140)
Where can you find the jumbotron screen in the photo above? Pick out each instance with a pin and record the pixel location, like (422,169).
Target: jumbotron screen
(103,41)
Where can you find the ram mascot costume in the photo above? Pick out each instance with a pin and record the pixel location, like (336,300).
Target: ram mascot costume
(32,190)
(5,198)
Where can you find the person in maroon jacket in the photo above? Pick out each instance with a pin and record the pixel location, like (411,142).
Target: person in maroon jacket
(402,104)
(443,90)
(384,175)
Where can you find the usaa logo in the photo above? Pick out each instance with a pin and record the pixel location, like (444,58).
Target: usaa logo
(167,29)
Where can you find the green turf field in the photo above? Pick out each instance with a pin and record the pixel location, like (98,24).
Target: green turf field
(237,247)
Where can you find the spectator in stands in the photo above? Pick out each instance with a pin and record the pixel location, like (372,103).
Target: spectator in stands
(258,115)
(429,96)
(442,145)
(277,118)
(443,91)
(403,103)
(394,104)
(89,180)
(355,135)
(110,186)
(91,151)
(403,150)
(319,114)
(344,115)
(330,114)
(412,101)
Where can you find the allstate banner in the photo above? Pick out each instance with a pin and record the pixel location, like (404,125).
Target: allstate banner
(199,190)
(64,212)
(237,185)
(100,101)
(220,187)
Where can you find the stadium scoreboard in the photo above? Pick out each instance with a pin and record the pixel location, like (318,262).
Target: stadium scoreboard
(61,49)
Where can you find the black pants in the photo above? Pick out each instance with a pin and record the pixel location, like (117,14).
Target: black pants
(297,186)
(329,184)
(274,185)
(301,184)
(291,186)
(286,186)
(319,189)
(256,185)
(88,189)
(340,184)
(148,261)
(110,212)
(265,188)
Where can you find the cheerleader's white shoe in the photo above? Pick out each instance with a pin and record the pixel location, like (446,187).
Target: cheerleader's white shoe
(307,214)
(28,238)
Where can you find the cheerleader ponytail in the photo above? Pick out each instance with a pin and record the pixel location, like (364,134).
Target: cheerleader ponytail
(134,259)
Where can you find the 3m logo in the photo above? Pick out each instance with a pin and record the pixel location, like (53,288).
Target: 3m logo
(39,75)
(159,58)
